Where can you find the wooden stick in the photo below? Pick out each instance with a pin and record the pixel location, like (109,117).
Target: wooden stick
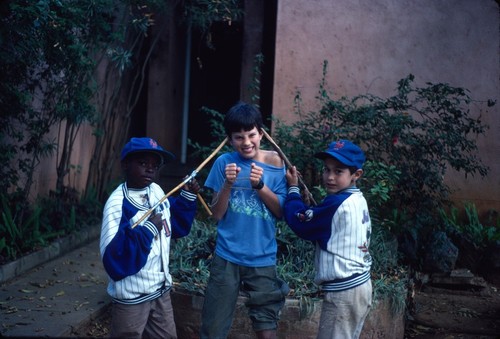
(288,163)
(204,204)
(186,180)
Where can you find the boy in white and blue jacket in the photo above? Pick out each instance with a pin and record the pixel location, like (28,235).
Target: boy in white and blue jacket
(137,258)
(341,227)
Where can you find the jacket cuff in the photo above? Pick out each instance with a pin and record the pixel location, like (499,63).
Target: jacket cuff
(151,227)
(188,195)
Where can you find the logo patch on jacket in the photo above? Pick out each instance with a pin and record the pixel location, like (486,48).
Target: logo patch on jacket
(304,217)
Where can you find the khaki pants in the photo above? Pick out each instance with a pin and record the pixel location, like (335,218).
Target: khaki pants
(343,313)
(151,319)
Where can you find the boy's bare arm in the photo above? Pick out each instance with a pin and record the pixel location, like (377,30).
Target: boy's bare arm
(268,197)
(220,200)
(271,201)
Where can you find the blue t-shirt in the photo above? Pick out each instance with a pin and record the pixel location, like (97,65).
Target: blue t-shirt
(246,235)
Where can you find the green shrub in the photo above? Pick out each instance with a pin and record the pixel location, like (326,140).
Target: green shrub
(191,257)
(420,132)
(45,220)
(410,140)
(470,226)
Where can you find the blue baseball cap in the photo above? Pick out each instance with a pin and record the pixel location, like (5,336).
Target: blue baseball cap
(346,152)
(136,145)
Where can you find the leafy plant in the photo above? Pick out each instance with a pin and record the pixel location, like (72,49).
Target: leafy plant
(295,260)
(46,221)
(419,133)
(52,53)
(125,76)
(469,225)
(18,238)
(191,257)
(392,287)
(410,140)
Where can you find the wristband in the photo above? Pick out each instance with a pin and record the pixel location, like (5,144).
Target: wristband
(259,185)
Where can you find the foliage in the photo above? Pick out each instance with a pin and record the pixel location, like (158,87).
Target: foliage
(295,262)
(295,259)
(50,52)
(392,286)
(202,14)
(191,257)
(47,80)
(389,277)
(47,220)
(47,55)
(410,140)
(471,227)
(418,134)
(19,238)
(138,30)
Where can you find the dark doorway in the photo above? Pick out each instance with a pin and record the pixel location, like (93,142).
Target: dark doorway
(216,67)
(215,77)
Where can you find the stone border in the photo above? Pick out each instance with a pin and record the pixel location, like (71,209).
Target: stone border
(52,251)
(299,318)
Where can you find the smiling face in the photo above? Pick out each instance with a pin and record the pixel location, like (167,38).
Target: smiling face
(247,143)
(337,177)
(141,169)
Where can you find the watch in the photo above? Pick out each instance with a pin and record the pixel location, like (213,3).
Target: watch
(259,185)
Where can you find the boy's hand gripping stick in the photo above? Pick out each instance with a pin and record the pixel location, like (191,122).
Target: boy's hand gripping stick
(288,164)
(185,181)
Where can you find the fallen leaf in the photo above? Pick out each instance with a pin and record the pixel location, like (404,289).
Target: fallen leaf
(11,310)
(80,306)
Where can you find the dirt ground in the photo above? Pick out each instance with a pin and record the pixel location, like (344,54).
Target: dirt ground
(465,307)
(460,307)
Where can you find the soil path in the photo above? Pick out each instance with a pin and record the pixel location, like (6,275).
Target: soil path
(462,306)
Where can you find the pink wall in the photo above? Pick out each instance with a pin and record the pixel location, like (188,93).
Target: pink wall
(370,45)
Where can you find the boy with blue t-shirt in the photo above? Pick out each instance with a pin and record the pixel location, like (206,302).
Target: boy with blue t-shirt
(249,191)
(340,226)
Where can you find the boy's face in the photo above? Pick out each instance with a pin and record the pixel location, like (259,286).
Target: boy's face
(246,143)
(336,176)
(141,169)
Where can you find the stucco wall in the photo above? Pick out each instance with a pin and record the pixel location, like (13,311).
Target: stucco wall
(45,176)
(370,45)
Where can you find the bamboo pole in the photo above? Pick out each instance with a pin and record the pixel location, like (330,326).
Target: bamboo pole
(186,180)
(288,164)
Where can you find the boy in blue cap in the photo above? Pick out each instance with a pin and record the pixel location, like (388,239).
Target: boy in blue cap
(137,258)
(341,227)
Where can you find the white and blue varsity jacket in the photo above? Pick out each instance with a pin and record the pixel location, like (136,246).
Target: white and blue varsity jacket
(137,259)
(341,228)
